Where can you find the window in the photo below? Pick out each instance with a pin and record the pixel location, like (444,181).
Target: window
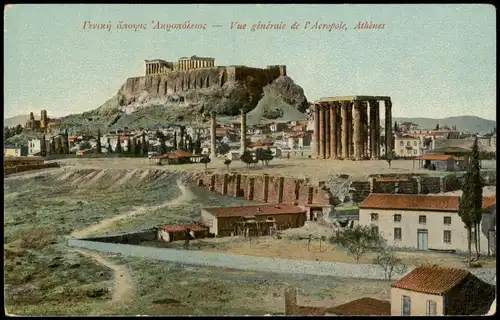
(447,236)
(406,306)
(431,308)
(397,218)
(397,233)
(374,229)
(422,219)
(447,220)
(415,152)
(401,143)
(374,216)
(415,143)
(209,222)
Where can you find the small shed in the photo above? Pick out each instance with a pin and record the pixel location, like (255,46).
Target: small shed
(188,231)
(438,162)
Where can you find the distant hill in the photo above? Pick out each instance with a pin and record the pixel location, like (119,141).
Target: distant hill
(464,123)
(20,119)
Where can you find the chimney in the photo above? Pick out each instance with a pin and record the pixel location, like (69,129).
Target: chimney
(290,300)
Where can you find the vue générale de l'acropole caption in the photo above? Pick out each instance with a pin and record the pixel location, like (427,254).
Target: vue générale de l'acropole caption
(236,26)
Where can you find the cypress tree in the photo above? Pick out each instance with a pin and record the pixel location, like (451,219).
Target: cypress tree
(118,148)
(144,146)
(98,146)
(175,140)
(43,147)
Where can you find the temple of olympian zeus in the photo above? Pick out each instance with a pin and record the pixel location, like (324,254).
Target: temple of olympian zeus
(343,130)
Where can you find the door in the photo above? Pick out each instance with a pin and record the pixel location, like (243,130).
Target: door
(422,238)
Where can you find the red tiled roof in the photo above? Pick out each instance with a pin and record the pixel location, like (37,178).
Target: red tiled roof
(255,210)
(436,157)
(260,143)
(363,307)
(432,280)
(176,155)
(192,226)
(418,202)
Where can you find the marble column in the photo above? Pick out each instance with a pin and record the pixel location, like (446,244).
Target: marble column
(350,141)
(316,130)
(213,129)
(321,133)
(358,143)
(338,133)
(243,128)
(326,117)
(365,130)
(373,145)
(345,129)
(333,131)
(377,131)
(388,127)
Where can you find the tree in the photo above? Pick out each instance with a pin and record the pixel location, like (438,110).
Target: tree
(18,129)
(66,142)
(118,148)
(396,127)
(247,158)
(163,146)
(227,162)
(427,142)
(222,148)
(60,144)
(471,202)
(437,126)
(197,146)
(267,155)
(387,259)
(43,147)
(110,149)
(53,146)
(175,140)
(98,145)
(132,146)
(144,144)
(388,157)
(205,160)
(84,145)
(138,148)
(359,240)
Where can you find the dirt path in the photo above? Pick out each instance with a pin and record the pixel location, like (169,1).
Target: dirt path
(186,195)
(124,286)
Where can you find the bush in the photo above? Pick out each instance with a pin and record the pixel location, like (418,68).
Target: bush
(37,238)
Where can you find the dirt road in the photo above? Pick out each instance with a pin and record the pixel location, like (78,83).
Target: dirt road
(186,195)
(124,286)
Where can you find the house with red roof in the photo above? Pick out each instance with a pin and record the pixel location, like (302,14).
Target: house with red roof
(437,291)
(253,220)
(427,222)
(189,231)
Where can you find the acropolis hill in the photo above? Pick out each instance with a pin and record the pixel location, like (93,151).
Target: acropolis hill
(188,88)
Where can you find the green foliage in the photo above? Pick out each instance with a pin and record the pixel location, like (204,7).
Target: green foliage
(359,240)
(205,160)
(387,259)
(247,158)
(144,145)
(227,162)
(118,148)
(222,148)
(175,140)
(471,202)
(85,145)
(264,155)
(98,146)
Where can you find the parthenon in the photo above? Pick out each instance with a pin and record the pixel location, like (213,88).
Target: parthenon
(344,129)
(159,66)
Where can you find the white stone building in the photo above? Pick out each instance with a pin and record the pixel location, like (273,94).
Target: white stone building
(407,146)
(426,222)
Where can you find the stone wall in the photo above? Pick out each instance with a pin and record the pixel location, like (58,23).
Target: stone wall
(263,188)
(133,237)
(161,85)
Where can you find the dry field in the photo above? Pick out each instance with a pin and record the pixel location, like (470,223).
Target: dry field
(323,251)
(313,169)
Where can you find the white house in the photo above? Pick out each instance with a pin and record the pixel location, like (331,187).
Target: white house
(34,145)
(426,222)
(407,146)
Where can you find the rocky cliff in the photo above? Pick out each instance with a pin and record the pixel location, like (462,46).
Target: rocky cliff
(149,100)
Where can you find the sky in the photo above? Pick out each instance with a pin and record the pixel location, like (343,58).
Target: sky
(433,60)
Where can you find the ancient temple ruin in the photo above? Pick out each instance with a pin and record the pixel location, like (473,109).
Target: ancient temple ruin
(349,127)
(159,66)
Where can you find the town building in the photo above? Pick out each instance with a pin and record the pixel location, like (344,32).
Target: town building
(11,150)
(299,140)
(35,146)
(188,231)
(253,220)
(436,291)
(41,125)
(407,146)
(277,126)
(440,162)
(426,222)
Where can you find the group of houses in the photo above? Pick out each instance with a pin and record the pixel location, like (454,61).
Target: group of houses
(425,291)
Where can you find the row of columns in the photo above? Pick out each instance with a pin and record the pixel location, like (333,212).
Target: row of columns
(153,68)
(351,129)
(195,64)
